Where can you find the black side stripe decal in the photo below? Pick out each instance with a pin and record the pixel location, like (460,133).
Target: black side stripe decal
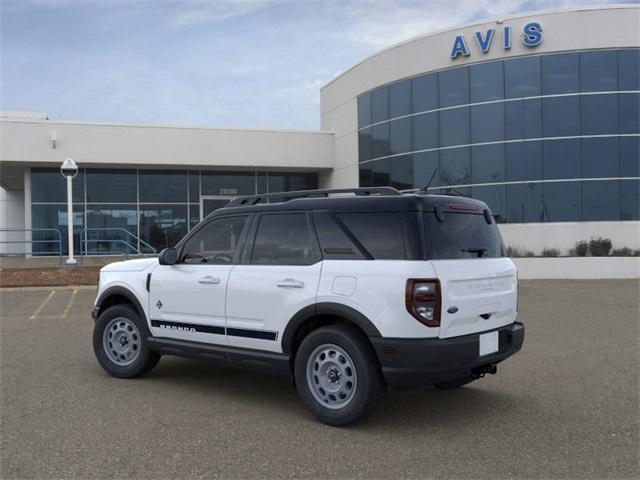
(233,332)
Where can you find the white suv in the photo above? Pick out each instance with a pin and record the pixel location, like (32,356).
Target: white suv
(347,291)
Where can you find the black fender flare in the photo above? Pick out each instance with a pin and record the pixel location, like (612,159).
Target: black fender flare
(326,308)
(124,292)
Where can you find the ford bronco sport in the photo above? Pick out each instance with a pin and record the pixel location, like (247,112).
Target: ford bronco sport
(347,291)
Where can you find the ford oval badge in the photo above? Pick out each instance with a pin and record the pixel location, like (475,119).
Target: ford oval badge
(452,309)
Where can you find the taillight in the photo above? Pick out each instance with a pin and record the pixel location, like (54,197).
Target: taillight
(423,301)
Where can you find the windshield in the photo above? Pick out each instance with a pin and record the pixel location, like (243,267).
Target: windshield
(462,235)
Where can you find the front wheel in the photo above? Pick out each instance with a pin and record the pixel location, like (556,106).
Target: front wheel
(338,376)
(120,343)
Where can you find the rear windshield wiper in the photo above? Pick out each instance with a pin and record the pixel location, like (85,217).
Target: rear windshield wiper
(479,251)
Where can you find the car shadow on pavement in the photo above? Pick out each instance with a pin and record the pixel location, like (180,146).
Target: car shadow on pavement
(411,409)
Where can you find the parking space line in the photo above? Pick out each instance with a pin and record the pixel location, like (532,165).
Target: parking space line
(69,303)
(42,305)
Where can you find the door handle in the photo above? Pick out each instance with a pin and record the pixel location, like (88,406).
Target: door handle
(291,283)
(209,280)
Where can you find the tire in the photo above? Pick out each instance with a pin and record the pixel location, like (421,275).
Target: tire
(120,343)
(460,382)
(348,359)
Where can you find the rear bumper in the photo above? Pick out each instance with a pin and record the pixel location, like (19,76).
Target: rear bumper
(411,363)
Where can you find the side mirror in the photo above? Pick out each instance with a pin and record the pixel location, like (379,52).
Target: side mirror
(168,256)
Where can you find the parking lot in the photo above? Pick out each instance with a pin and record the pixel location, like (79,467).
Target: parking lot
(566,406)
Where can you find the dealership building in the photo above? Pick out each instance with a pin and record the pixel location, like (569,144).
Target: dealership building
(535,114)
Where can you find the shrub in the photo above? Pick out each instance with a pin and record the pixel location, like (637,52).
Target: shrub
(517,252)
(581,248)
(550,252)
(622,252)
(600,247)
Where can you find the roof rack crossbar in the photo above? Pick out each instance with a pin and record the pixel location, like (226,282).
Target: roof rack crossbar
(286,196)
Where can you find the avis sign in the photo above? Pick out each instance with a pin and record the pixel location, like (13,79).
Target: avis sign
(531,37)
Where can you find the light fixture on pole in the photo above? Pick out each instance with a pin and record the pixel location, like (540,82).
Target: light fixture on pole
(69,170)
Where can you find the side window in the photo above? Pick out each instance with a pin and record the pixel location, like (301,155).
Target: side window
(283,239)
(335,244)
(216,243)
(380,233)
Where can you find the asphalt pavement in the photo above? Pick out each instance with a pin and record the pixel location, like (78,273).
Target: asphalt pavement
(566,406)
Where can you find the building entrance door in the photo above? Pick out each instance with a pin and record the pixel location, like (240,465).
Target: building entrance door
(209,203)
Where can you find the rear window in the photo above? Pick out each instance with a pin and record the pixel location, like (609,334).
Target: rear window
(380,233)
(462,235)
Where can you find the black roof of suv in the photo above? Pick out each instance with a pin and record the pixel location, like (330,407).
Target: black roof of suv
(378,199)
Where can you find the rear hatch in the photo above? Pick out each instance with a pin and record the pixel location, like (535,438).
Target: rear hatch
(478,283)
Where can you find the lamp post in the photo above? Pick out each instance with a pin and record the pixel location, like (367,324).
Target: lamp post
(69,170)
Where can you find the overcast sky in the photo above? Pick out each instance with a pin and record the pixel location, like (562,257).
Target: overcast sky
(230,63)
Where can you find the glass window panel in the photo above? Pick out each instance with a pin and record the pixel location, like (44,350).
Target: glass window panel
(455,166)
(48,185)
(289,182)
(194,186)
(261,182)
(194,215)
(283,240)
(487,81)
(335,244)
(400,135)
(561,159)
(425,131)
(107,226)
(599,114)
(400,98)
(162,226)
(561,116)
(228,183)
(112,186)
(364,173)
(381,173)
(494,197)
(158,187)
(562,201)
(53,217)
(365,145)
(424,93)
(524,161)
(454,87)
(629,200)
(629,112)
(380,105)
(364,110)
(454,127)
(402,172)
(629,69)
(487,164)
(599,71)
(380,140)
(522,77)
(601,200)
(600,157)
(524,203)
(487,123)
(424,166)
(217,242)
(380,233)
(560,73)
(523,119)
(630,157)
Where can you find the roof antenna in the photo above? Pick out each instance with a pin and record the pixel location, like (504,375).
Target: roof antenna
(424,189)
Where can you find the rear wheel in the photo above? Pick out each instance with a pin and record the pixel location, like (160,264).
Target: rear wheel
(338,376)
(120,343)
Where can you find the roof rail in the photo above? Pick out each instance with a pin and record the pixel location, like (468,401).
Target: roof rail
(286,196)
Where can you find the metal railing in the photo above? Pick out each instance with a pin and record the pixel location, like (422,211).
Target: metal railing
(132,243)
(57,241)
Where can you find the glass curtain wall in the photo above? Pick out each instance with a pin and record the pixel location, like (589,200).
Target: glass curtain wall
(116,207)
(544,138)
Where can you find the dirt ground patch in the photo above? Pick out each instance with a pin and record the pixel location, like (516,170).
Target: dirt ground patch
(46,276)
